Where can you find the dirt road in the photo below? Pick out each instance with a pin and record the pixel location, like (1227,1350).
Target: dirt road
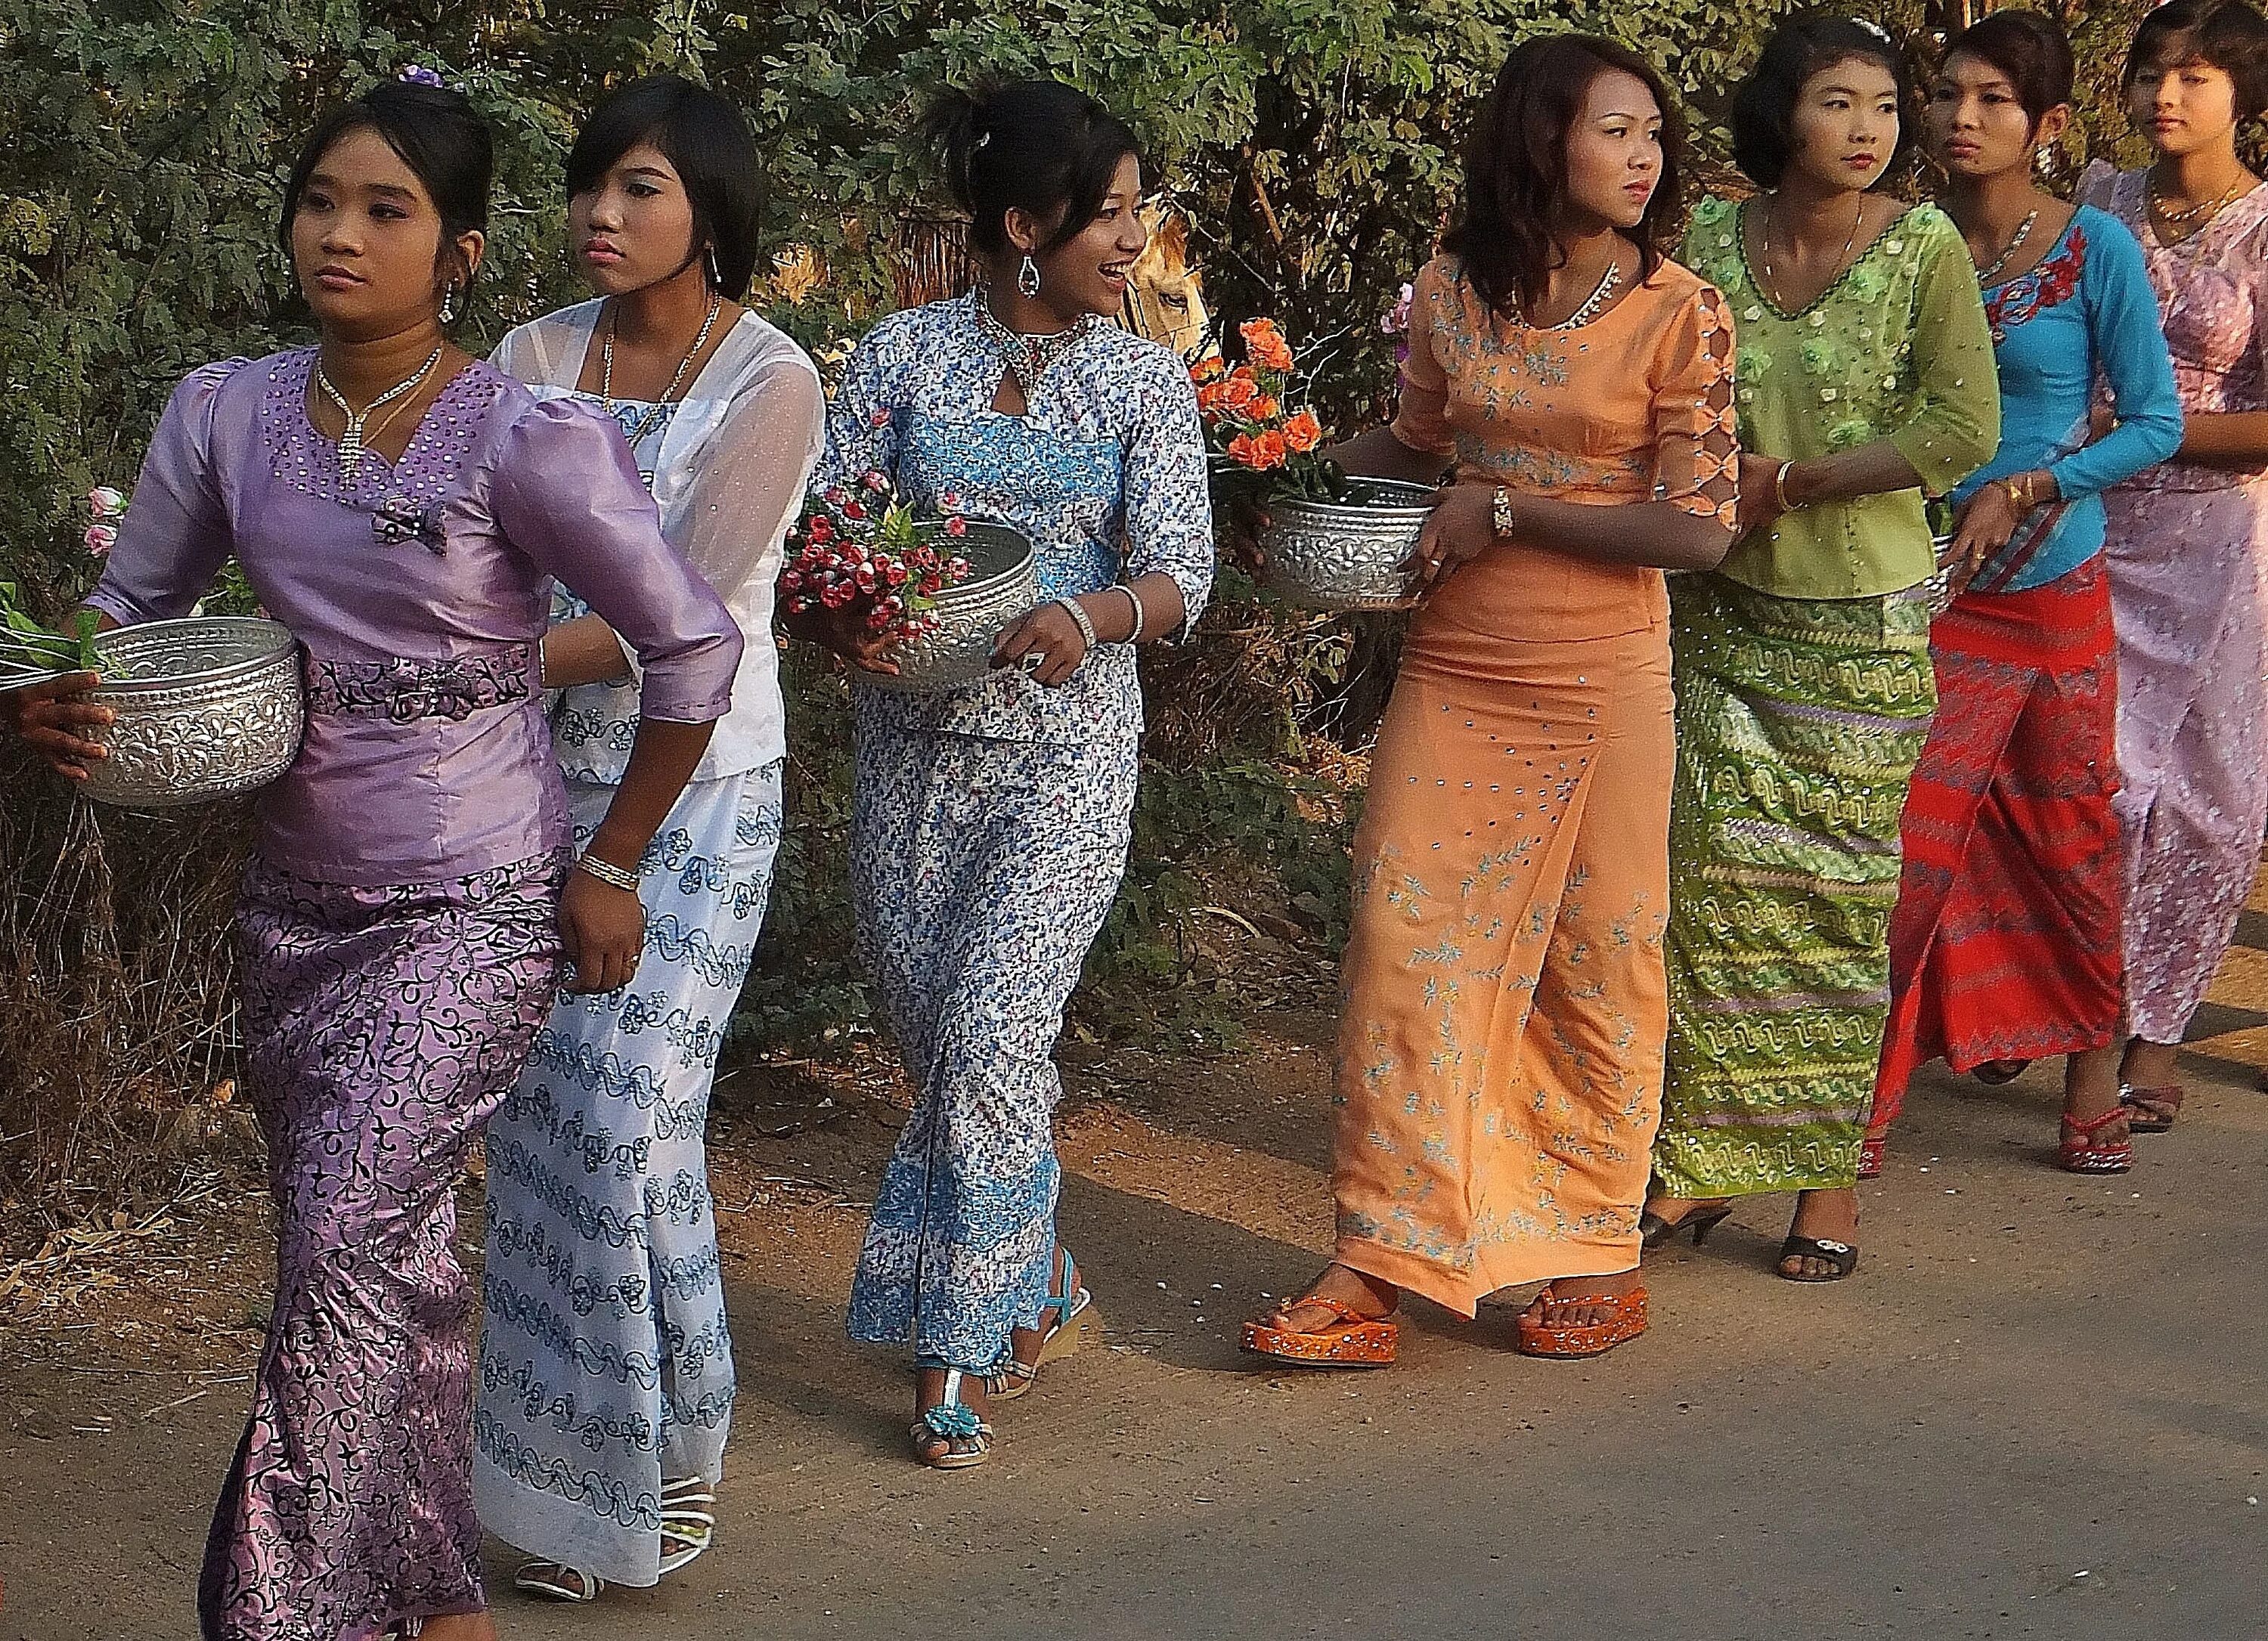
(2036,1411)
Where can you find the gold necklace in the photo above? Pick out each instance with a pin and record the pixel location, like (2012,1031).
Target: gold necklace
(354,439)
(637,431)
(2185,222)
(1764,249)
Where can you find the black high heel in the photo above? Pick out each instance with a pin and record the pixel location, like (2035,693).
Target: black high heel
(1654,1230)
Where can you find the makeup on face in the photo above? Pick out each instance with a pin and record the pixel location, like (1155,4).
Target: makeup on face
(365,236)
(634,227)
(1846,124)
(1613,151)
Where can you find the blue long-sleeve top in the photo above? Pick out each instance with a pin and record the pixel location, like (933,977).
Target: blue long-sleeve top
(2084,312)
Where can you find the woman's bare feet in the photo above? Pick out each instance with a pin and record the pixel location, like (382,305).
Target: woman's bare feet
(1365,1295)
(929,1391)
(460,1627)
(1826,1216)
(1573,1301)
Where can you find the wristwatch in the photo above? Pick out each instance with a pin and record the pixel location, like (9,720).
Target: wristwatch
(1500,513)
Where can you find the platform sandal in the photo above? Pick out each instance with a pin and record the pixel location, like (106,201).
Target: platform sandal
(2078,1151)
(1349,1339)
(950,1435)
(2150,1110)
(1624,1321)
(1007,1378)
(1654,1230)
(556,1581)
(1870,1155)
(1842,1255)
(689,1521)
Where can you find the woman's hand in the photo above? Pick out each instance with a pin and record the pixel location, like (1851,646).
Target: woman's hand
(1462,528)
(847,637)
(1047,644)
(1982,528)
(50,718)
(603,929)
(1239,526)
(1759,491)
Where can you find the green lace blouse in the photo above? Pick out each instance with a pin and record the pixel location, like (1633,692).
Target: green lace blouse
(1898,347)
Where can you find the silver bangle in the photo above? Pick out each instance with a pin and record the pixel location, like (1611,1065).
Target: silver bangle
(1135,598)
(1078,616)
(607,873)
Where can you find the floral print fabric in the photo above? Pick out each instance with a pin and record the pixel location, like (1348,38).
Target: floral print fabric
(981,869)
(1896,349)
(2189,584)
(605,1369)
(386,1025)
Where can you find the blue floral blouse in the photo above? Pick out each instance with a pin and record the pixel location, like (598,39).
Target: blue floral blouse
(1104,472)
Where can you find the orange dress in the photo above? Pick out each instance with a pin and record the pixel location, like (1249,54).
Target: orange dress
(1500,1055)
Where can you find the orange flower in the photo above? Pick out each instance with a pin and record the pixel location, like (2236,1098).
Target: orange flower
(1303,433)
(1265,410)
(1209,398)
(1258,451)
(1238,393)
(1265,345)
(1207,370)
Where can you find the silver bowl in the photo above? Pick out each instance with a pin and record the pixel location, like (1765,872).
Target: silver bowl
(1004,582)
(1350,555)
(206,707)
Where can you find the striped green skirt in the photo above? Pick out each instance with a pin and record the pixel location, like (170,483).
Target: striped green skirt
(1798,724)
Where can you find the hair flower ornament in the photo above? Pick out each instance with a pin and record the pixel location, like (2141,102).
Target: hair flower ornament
(418,74)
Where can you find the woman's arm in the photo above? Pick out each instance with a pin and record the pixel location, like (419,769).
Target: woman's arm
(2234,439)
(2129,339)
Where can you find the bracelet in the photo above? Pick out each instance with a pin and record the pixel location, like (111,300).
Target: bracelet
(1078,615)
(607,873)
(1779,487)
(1501,520)
(2019,498)
(1141,616)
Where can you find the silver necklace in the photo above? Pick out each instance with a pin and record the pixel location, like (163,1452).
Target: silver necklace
(637,431)
(2023,232)
(1842,262)
(350,443)
(1593,305)
(1027,354)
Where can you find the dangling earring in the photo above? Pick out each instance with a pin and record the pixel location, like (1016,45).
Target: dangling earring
(449,304)
(2043,159)
(1028,278)
(716,279)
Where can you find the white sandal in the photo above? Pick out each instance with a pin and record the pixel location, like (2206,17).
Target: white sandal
(689,1521)
(556,1581)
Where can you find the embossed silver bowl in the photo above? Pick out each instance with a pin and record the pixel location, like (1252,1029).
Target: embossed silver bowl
(1350,555)
(1938,589)
(206,707)
(1004,582)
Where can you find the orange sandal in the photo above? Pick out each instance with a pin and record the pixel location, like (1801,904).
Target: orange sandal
(2079,1154)
(1352,1340)
(1625,1320)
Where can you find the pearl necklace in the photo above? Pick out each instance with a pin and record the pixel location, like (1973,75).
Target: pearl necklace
(2023,232)
(1593,305)
(350,441)
(637,431)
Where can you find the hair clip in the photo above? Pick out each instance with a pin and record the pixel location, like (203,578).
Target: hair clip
(418,74)
(1875,29)
(983,138)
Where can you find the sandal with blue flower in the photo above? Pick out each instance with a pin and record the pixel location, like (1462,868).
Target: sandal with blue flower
(1007,1378)
(952,1435)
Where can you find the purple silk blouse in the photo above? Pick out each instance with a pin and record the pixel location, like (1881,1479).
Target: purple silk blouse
(419,594)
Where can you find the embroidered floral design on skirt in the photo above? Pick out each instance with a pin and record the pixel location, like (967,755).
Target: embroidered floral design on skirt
(1799,723)
(983,869)
(604,1368)
(2004,944)
(385,1026)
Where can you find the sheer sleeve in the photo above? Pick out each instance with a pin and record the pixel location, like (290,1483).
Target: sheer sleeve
(862,430)
(1956,427)
(2130,353)
(175,535)
(564,491)
(753,481)
(1421,412)
(1168,500)
(1697,451)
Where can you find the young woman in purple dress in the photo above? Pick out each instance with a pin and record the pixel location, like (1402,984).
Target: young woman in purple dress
(403,509)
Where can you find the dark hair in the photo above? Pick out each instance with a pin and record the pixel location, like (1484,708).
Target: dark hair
(706,140)
(434,131)
(2227,34)
(1764,108)
(1035,145)
(2031,50)
(1516,168)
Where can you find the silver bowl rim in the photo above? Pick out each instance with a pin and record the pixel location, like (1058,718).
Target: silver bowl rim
(1400,512)
(282,644)
(1026,559)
